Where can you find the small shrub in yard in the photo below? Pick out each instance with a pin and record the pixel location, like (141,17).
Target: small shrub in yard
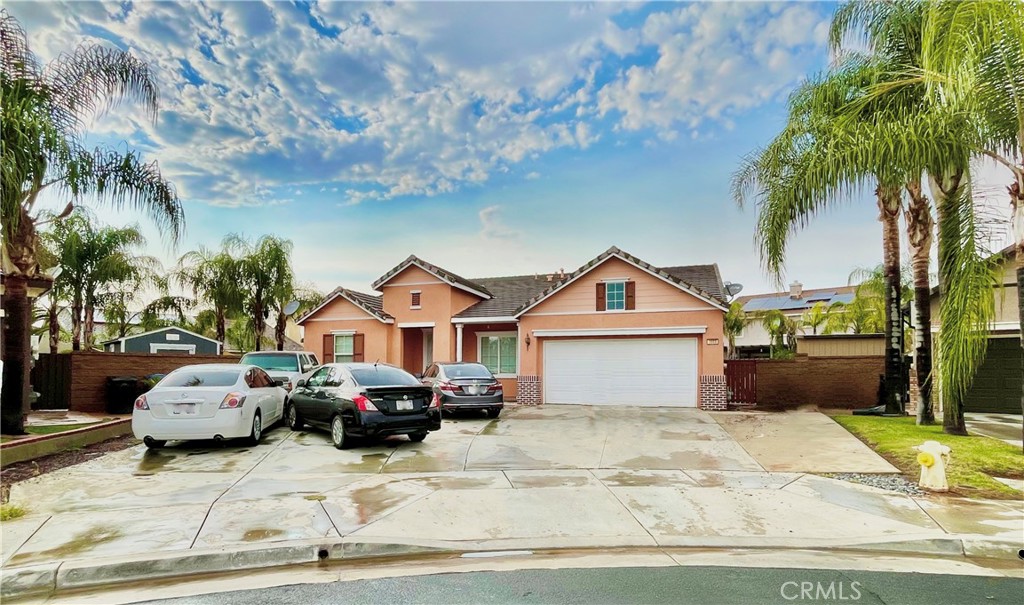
(11,511)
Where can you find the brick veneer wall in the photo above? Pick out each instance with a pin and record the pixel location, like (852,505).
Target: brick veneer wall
(844,382)
(89,373)
(529,391)
(713,393)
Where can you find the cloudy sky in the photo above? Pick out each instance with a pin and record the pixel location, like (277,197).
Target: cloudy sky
(489,138)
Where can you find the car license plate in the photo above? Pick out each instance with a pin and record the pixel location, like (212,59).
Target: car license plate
(185,408)
(404,405)
(474,390)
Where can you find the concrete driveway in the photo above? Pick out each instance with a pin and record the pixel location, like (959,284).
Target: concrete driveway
(547,477)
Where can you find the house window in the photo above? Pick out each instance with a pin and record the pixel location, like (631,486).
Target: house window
(344,349)
(416,299)
(615,295)
(498,353)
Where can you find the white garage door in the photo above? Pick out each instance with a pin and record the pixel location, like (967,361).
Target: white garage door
(641,371)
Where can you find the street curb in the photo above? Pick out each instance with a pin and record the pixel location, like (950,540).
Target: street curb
(50,578)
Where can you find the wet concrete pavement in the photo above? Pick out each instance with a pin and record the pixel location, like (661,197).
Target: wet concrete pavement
(550,477)
(1006,427)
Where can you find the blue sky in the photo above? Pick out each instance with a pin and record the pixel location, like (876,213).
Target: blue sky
(489,138)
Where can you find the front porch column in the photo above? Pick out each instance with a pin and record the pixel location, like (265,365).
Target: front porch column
(458,342)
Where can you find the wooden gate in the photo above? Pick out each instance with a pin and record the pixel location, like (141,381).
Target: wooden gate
(51,378)
(741,380)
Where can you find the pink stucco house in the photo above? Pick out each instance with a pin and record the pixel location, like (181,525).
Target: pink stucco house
(615,331)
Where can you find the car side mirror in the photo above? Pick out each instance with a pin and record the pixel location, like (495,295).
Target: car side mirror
(300,383)
(278,383)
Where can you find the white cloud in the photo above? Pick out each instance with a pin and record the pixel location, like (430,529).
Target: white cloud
(492,226)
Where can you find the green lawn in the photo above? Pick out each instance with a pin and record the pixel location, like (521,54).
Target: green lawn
(49,430)
(973,462)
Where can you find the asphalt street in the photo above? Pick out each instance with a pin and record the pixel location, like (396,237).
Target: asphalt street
(719,585)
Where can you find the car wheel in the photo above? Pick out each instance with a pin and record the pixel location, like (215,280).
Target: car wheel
(493,412)
(417,437)
(294,420)
(154,444)
(338,437)
(257,428)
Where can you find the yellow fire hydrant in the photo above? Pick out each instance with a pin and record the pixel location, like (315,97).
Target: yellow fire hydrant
(933,458)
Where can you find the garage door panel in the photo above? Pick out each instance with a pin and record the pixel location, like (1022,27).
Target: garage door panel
(642,371)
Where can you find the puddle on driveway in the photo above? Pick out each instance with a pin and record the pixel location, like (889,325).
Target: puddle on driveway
(256,535)
(370,463)
(685,436)
(371,501)
(675,460)
(454,482)
(83,541)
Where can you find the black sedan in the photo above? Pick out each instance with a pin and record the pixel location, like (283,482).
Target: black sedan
(465,386)
(363,400)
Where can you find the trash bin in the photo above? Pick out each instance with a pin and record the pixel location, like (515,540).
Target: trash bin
(121,394)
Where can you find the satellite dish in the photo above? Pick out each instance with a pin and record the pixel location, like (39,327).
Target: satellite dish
(291,307)
(733,289)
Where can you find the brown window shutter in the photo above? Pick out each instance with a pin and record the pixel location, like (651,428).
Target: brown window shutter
(357,347)
(415,299)
(328,348)
(630,295)
(601,305)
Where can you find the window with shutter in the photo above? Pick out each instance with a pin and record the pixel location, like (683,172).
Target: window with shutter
(630,295)
(615,296)
(344,348)
(416,299)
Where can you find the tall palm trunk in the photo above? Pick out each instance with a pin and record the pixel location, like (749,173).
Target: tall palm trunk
(221,324)
(1017,221)
(946,189)
(282,322)
(889,204)
(919,231)
(89,325)
(17,350)
(53,319)
(76,323)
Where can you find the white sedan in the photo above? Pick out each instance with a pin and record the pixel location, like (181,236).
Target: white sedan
(208,401)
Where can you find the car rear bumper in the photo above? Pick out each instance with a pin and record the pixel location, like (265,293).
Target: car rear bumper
(229,424)
(470,402)
(378,424)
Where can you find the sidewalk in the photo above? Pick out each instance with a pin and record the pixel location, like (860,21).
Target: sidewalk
(133,515)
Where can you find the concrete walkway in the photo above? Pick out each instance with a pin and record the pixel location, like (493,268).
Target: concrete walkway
(1005,427)
(551,477)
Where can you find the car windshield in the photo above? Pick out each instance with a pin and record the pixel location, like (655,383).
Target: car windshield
(267,361)
(383,376)
(467,370)
(200,378)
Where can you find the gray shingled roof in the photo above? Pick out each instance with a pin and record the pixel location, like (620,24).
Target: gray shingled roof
(513,294)
(373,305)
(509,293)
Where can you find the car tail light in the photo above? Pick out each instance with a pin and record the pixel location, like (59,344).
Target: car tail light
(447,386)
(141,403)
(436,401)
(494,388)
(363,404)
(232,401)
(287,386)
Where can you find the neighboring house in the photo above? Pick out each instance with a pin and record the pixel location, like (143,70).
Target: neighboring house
(615,331)
(997,385)
(172,340)
(754,341)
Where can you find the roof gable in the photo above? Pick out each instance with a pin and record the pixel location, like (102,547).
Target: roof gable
(444,275)
(157,331)
(370,304)
(614,252)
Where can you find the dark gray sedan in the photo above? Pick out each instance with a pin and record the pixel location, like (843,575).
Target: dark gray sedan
(465,386)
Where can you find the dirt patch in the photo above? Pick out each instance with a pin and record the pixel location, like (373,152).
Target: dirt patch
(256,535)
(20,471)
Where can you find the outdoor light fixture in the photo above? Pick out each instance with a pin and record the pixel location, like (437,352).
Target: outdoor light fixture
(527,342)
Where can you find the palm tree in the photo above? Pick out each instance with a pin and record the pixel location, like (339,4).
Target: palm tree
(782,331)
(736,320)
(973,60)
(814,318)
(214,278)
(42,147)
(264,267)
(288,290)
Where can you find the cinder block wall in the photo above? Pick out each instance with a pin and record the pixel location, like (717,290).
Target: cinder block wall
(89,373)
(843,382)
